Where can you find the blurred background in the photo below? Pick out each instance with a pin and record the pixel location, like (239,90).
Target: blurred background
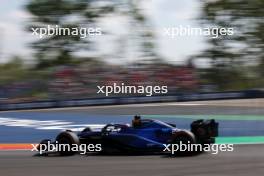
(132,49)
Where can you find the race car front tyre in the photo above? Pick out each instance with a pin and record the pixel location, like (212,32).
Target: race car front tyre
(67,141)
(43,145)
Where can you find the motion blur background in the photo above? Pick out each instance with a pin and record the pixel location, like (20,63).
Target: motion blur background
(132,48)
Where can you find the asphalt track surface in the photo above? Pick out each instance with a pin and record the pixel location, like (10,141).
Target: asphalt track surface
(245,160)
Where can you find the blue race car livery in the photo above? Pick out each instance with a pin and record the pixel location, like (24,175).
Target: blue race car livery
(143,136)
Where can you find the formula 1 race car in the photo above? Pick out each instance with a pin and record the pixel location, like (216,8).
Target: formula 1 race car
(143,136)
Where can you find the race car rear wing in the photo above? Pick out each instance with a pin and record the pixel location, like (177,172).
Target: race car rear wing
(205,131)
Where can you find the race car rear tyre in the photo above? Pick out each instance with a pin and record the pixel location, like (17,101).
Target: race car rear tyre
(71,140)
(184,139)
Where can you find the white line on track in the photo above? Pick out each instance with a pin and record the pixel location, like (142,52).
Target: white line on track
(109,106)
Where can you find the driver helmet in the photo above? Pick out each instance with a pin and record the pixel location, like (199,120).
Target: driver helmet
(137,121)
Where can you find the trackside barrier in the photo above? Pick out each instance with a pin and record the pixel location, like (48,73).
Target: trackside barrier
(132,100)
